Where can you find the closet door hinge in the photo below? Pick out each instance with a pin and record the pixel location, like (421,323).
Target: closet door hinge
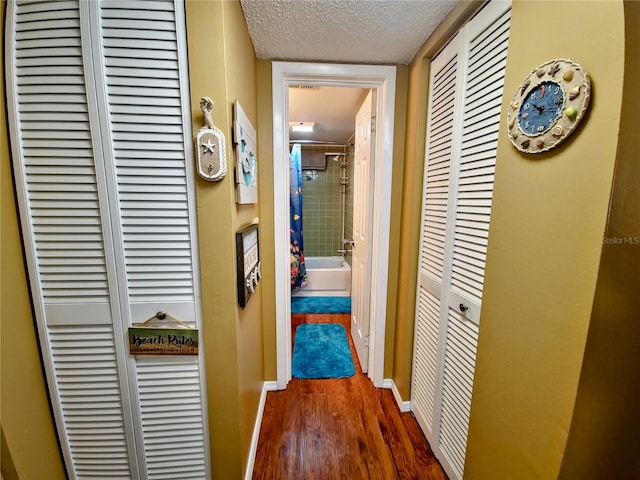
(366,341)
(373,124)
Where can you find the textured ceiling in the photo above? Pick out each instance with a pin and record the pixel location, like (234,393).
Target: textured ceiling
(343,31)
(347,31)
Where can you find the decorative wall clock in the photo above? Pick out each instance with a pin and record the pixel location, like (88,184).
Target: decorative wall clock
(548,105)
(211,147)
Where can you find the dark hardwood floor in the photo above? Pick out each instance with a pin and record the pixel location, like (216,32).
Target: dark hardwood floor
(340,429)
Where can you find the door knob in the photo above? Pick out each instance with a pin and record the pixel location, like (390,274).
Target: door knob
(463,307)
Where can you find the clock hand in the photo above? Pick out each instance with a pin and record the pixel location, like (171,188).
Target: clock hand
(539,108)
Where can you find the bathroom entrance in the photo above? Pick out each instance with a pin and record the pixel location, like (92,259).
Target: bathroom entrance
(381,81)
(331,139)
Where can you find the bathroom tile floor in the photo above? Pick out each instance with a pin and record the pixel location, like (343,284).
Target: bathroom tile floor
(340,429)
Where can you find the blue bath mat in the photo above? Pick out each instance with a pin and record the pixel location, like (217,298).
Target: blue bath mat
(321,350)
(320,305)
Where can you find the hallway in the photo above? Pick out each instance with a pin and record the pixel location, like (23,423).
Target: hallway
(342,428)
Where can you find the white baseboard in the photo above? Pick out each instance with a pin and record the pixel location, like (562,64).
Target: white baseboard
(266,387)
(402,405)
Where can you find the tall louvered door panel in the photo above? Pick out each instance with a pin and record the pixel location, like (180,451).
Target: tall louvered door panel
(100,131)
(448,312)
(443,123)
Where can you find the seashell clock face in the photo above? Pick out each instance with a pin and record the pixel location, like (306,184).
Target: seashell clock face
(548,106)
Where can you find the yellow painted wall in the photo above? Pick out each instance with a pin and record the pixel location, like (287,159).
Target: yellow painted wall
(402,84)
(207,73)
(27,429)
(545,239)
(241,85)
(222,65)
(267,232)
(603,440)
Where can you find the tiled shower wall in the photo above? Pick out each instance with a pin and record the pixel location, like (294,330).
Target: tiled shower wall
(322,205)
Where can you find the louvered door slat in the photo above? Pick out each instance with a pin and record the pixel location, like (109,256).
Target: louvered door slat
(459,366)
(487,52)
(426,358)
(438,170)
(88,388)
(171,389)
(148,158)
(437,176)
(60,174)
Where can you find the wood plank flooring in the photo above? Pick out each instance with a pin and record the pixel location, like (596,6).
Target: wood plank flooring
(340,429)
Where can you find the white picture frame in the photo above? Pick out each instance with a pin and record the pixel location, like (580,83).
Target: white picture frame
(246,147)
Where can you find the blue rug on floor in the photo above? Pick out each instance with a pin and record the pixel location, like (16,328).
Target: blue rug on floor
(321,350)
(320,305)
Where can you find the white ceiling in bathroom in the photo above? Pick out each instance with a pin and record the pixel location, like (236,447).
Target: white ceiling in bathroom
(340,31)
(332,109)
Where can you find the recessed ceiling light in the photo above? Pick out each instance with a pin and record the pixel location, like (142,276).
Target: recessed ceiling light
(302,126)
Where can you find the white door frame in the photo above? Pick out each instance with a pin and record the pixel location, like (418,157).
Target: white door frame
(382,78)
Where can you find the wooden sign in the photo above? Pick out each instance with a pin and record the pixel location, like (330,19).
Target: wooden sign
(163,341)
(211,147)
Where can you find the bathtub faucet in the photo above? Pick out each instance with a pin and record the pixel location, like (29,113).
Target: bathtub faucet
(347,246)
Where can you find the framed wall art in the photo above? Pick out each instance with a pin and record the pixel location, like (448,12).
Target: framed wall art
(245,140)
(248,262)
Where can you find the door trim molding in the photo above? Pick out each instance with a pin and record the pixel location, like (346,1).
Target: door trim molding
(382,78)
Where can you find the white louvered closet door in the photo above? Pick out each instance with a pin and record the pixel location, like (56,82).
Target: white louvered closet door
(101,142)
(455,228)
(443,125)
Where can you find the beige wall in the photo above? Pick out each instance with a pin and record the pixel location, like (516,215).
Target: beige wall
(27,429)
(267,232)
(548,217)
(241,85)
(402,85)
(222,65)
(603,440)
(207,73)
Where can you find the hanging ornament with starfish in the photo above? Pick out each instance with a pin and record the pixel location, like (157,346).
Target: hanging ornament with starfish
(210,146)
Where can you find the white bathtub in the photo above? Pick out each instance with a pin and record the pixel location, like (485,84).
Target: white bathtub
(327,276)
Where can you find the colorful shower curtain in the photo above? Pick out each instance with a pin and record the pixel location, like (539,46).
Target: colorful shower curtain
(298,269)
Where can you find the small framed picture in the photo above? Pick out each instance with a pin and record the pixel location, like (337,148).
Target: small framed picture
(248,262)
(246,157)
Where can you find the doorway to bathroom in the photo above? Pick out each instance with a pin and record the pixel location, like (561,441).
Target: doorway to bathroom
(330,166)
(381,81)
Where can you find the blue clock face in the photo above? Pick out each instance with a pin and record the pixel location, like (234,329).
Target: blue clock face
(541,108)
